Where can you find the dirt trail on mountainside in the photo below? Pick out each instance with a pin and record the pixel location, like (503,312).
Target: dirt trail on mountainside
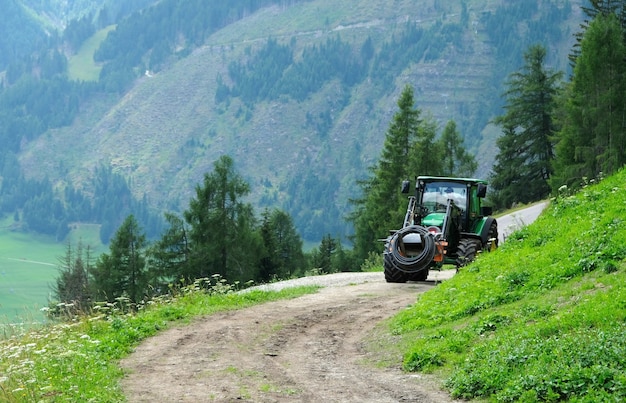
(309,349)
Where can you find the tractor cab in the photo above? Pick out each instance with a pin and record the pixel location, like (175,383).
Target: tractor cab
(433,193)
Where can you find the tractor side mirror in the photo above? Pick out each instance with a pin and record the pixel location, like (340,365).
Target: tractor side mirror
(406,185)
(482,190)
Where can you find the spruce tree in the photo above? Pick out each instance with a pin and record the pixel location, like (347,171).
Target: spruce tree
(380,208)
(72,284)
(411,149)
(529,127)
(221,234)
(282,252)
(169,256)
(123,272)
(593,138)
(323,256)
(456,161)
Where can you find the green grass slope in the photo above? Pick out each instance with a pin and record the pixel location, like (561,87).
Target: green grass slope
(27,269)
(81,66)
(541,319)
(29,266)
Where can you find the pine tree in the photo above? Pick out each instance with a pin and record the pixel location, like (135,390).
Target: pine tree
(323,256)
(506,170)
(379,210)
(593,138)
(529,127)
(411,149)
(222,236)
(169,256)
(426,154)
(122,272)
(72,284)
(289,244)
(456,161)
(596,8)
(282,256)
(269,264)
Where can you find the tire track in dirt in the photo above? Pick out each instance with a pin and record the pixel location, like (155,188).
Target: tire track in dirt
(309,349)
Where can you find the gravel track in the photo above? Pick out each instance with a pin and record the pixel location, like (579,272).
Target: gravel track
(310,349)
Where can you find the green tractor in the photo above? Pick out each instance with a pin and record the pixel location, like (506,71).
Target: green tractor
(444,224)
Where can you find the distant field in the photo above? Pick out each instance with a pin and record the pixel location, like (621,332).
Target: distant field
(81,66)
(28,269)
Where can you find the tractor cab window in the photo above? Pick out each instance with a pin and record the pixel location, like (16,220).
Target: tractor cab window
(436,194)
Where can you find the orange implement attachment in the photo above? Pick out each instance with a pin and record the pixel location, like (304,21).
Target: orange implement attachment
(441,250)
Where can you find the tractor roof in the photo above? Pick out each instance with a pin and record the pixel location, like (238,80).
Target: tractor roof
(449,179)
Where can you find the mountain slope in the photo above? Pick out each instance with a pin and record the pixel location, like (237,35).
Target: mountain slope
(19,32)
(303,156)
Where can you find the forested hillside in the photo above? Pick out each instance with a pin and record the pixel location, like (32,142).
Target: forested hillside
(19,33)
(298,93)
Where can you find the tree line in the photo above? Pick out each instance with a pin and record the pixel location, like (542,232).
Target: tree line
(37,207)
(220,236)
(559,134)
(217,235)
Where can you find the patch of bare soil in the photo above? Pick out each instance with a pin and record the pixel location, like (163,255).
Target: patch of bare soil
(309,349)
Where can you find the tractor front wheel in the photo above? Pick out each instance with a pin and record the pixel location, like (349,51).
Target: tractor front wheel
(394,275)
(421,275)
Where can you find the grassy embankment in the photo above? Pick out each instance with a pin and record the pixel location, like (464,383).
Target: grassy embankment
(77,361)
(541,319)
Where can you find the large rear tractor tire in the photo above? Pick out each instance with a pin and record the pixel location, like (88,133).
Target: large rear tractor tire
(466,252)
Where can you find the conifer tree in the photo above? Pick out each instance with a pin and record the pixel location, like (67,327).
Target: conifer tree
(323,256)
(282,253)
(426,154)
(379,210)
(122,272)
(411,149)
(592,10)
(169,256)
(529,128)
(222,236)
(593,138)
(456,161)
(72,284)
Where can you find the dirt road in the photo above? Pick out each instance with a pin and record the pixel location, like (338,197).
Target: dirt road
(310,349)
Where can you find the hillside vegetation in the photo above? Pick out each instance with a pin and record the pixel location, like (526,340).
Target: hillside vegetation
(304,144)
(542,319)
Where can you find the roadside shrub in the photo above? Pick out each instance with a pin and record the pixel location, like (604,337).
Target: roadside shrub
(424,361)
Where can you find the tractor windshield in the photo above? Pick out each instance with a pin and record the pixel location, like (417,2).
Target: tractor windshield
(436,194)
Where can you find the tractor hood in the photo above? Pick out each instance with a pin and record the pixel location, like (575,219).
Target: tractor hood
(434,219)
